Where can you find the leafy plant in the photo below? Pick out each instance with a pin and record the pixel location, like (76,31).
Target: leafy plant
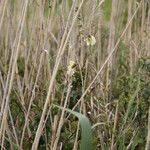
(86,130)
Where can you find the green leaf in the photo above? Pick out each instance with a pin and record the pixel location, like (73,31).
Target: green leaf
(86,131)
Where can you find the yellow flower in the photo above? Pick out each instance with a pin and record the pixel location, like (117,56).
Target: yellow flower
(90,40)
(70,68)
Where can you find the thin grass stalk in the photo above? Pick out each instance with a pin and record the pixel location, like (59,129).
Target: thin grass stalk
(13,127)
(62,117)
(10,65)
(132,139)
(148,30)
(60,53)
(129,34)
(75,147)
(115,125)
(3,13)
(148,135)
(54,130)
(2,128)
(31,100)
(111,43)
(109,56)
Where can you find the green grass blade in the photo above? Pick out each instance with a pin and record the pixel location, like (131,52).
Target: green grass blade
(86,131)
(129,108)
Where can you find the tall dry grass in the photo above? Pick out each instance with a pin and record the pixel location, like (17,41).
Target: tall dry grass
(108,83)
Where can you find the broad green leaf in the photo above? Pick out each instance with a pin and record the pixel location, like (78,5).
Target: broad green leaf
(86,131)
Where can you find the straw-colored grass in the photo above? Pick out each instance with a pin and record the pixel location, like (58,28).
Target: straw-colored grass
(74,72)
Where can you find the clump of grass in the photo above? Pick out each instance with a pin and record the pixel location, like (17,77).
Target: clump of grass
(90,58)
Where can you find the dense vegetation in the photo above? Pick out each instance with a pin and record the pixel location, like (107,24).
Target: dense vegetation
(75,73)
